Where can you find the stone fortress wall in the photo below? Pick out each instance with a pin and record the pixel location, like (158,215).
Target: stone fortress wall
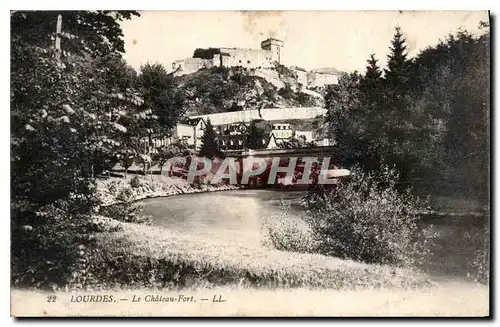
(270,75)
(301,76)
(315,79)
(234,57)
(260,60)
(247,58)
(265,114)
(191,65)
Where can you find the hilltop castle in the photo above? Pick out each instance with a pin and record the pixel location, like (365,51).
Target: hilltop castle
(261,60)
(232,57)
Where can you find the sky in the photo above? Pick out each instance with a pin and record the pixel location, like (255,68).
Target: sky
(312,39)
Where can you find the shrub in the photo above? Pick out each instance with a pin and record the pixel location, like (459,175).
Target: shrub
(126,209)
(126,194)
(286,92)
(135,182)
(113,187)
(51,251)
(287,232)
(304,99)
(366,219)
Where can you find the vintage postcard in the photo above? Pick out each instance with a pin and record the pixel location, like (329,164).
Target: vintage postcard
(250,163)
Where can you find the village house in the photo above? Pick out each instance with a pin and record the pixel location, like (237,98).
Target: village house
(232,136)
(189,131)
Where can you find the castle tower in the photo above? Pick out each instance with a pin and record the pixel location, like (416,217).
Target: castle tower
(273,45)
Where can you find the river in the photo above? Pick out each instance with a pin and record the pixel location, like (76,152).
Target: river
(236,216)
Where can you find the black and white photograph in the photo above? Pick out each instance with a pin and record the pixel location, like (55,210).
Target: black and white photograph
(250,163)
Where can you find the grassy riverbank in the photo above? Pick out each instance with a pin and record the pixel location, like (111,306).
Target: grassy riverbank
(144,187)
(138,255)
(149,256)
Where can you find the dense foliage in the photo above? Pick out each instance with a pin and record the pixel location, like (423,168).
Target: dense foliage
(257,137)
(161,96)
(75,113)
(366,219)
(206,53)
(209,146)
(72,114)
(427,115)
(95,33)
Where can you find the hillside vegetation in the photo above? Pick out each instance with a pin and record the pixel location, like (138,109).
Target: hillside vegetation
(231,89)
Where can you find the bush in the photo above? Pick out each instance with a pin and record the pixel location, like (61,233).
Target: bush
(287,232)
(366,219)
(113,187)
(304,99)
(126,209)
(286,92)
(135,182)
(51,251)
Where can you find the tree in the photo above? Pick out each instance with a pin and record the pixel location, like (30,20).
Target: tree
(343,101)
(55,131)
(205,53)
(161,96)
(145,159)
(453,89)
(209,147)
(119,76)
(397,72)
(161,156)
(64,112)
(427,116)
(94,33)
(126,158)
(45,103)
(255,136)
(373,72)
(286,92)
(371,83)
(400,119)
(294,143)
